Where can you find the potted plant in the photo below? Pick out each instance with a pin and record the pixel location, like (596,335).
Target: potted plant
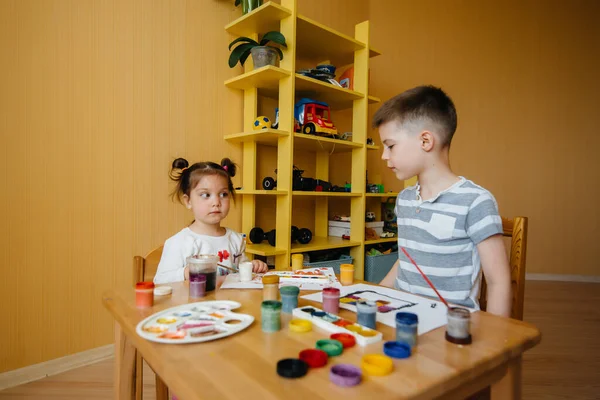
(261,53)
(248,5)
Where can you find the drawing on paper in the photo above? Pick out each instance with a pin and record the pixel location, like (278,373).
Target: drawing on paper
(385,303)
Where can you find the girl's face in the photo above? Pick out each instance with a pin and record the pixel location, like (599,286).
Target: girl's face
(209,200)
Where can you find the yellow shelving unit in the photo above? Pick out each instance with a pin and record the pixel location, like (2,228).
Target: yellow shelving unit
(308,40)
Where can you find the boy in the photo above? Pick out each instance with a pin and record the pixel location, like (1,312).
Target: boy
(449,225)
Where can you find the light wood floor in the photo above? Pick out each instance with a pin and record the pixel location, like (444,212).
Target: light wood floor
(566,365)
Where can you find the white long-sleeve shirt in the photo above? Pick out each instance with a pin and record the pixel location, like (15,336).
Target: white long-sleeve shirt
(230,248)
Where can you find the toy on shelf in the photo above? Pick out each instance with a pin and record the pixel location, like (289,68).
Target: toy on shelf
(370,216)
(257,235)
(261,122)
(335,324)
(314,118)
(302,235)
(299,182)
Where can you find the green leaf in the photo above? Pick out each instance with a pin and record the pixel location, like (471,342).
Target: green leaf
(275,37)
(244,57)
(278,50)
(243,39)
(238,52)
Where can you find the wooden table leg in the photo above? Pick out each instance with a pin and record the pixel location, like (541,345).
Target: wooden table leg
(124,374)
(509,387)
(139,376)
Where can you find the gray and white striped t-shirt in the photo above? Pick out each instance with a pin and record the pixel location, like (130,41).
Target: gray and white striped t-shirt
(441,234)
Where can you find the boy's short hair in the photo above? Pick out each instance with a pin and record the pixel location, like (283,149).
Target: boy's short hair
(421,103)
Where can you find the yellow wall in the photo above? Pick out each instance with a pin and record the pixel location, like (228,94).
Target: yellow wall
(524,77)
(97,99)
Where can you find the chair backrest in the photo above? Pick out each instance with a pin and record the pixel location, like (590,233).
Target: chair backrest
(144,268)
(516,229)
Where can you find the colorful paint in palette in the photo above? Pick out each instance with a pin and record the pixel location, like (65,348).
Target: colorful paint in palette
(334,324)
(194,322)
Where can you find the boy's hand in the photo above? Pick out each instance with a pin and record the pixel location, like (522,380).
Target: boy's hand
(497,275)
(390,278)
(259,267)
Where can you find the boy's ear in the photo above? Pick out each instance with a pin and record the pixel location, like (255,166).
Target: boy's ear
(427,140)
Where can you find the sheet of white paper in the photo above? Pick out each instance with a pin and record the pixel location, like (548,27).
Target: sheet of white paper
(303,279)
(432,313)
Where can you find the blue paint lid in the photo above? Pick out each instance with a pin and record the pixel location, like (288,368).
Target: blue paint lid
(407,318)
(396,349)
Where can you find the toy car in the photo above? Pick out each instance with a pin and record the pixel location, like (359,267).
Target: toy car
(299,182)
(314,118)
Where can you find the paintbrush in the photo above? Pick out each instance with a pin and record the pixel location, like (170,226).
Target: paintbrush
(425,277)
(226,267)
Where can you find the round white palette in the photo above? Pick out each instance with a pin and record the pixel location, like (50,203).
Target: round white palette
(194,322)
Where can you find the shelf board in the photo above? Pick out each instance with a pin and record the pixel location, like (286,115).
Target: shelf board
(373,99)
(336,97)
(389,194)
(372,147)
(326,194)
(382,240)
(263,249)
(266,77)
(267,137)
(261,20)
(323,243)
(318,143)
(319,42)
(263,192)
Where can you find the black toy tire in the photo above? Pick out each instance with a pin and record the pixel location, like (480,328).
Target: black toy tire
(309,129)
(271,237)
(304,236)
(257,235)
(269,183)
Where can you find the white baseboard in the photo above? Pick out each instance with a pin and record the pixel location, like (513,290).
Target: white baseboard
(563,278)
(38,371)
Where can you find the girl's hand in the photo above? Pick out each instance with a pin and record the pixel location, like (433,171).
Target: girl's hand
(259,267)
(186,274)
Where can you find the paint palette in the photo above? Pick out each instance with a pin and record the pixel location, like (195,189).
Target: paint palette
(194,322)
(334,324)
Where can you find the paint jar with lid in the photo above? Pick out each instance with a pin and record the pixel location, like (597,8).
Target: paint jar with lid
(459,325)
(197,285)
(366,314)
(297,262)
(289,298)
(346,274)
(407,328)
(270,312)
(203,264)
(331,300)
(270,287)
(144,294)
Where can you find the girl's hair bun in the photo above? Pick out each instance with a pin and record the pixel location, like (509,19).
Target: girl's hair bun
(180,163)
(228,166)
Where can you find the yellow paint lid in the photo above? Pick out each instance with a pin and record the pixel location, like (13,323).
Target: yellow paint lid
(377,364)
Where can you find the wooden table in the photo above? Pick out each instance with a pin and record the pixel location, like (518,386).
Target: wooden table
(244,365)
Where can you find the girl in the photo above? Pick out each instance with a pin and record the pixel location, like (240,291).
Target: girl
(206,189)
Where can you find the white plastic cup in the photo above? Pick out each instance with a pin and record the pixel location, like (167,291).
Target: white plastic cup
(245,269)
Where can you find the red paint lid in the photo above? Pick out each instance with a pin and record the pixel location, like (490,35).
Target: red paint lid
(346,339)
(144,285)
(313,357)
(331,291)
